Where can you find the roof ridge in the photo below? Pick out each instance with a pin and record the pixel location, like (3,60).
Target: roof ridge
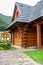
(23,4)
(39,2)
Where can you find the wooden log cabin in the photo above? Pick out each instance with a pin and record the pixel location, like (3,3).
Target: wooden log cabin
(26,27)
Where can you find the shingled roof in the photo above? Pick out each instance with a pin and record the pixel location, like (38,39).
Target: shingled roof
(29,13)
(25,10)
(38,11)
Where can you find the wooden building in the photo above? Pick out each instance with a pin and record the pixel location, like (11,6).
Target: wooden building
(26,27)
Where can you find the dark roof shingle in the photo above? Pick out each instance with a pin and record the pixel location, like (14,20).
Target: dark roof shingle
(29,13)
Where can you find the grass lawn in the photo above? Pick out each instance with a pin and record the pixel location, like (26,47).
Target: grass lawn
(36,55)
(1,32)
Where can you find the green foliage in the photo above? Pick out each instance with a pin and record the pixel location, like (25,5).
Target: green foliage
(8,46)
(1,48)
(36,55)
(13,48)
(5,45)
(4,41)
(4,21)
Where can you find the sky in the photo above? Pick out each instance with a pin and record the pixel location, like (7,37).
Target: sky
(7,6)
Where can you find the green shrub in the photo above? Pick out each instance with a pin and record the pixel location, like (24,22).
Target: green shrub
(1,48)
(4,41)
(2,45)
(5,46)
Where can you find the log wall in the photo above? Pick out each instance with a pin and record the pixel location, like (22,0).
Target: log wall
(11,37)
(32,38)
(24,36)
(18,37)
(42,35)
(29,37)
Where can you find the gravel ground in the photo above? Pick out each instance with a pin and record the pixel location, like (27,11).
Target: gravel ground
(14,57)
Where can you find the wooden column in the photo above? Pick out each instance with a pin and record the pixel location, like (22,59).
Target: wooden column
(38,36)
(11,38)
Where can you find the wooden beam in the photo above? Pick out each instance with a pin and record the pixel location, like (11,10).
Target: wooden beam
(11,37)
(38,36)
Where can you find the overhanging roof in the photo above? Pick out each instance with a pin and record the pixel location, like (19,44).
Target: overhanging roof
(29,13)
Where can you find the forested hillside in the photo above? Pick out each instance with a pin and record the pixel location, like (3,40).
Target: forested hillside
(4,21)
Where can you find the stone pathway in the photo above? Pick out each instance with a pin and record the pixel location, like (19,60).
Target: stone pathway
(14,57)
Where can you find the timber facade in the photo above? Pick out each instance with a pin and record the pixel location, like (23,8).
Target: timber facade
(23,33)
(23,36)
